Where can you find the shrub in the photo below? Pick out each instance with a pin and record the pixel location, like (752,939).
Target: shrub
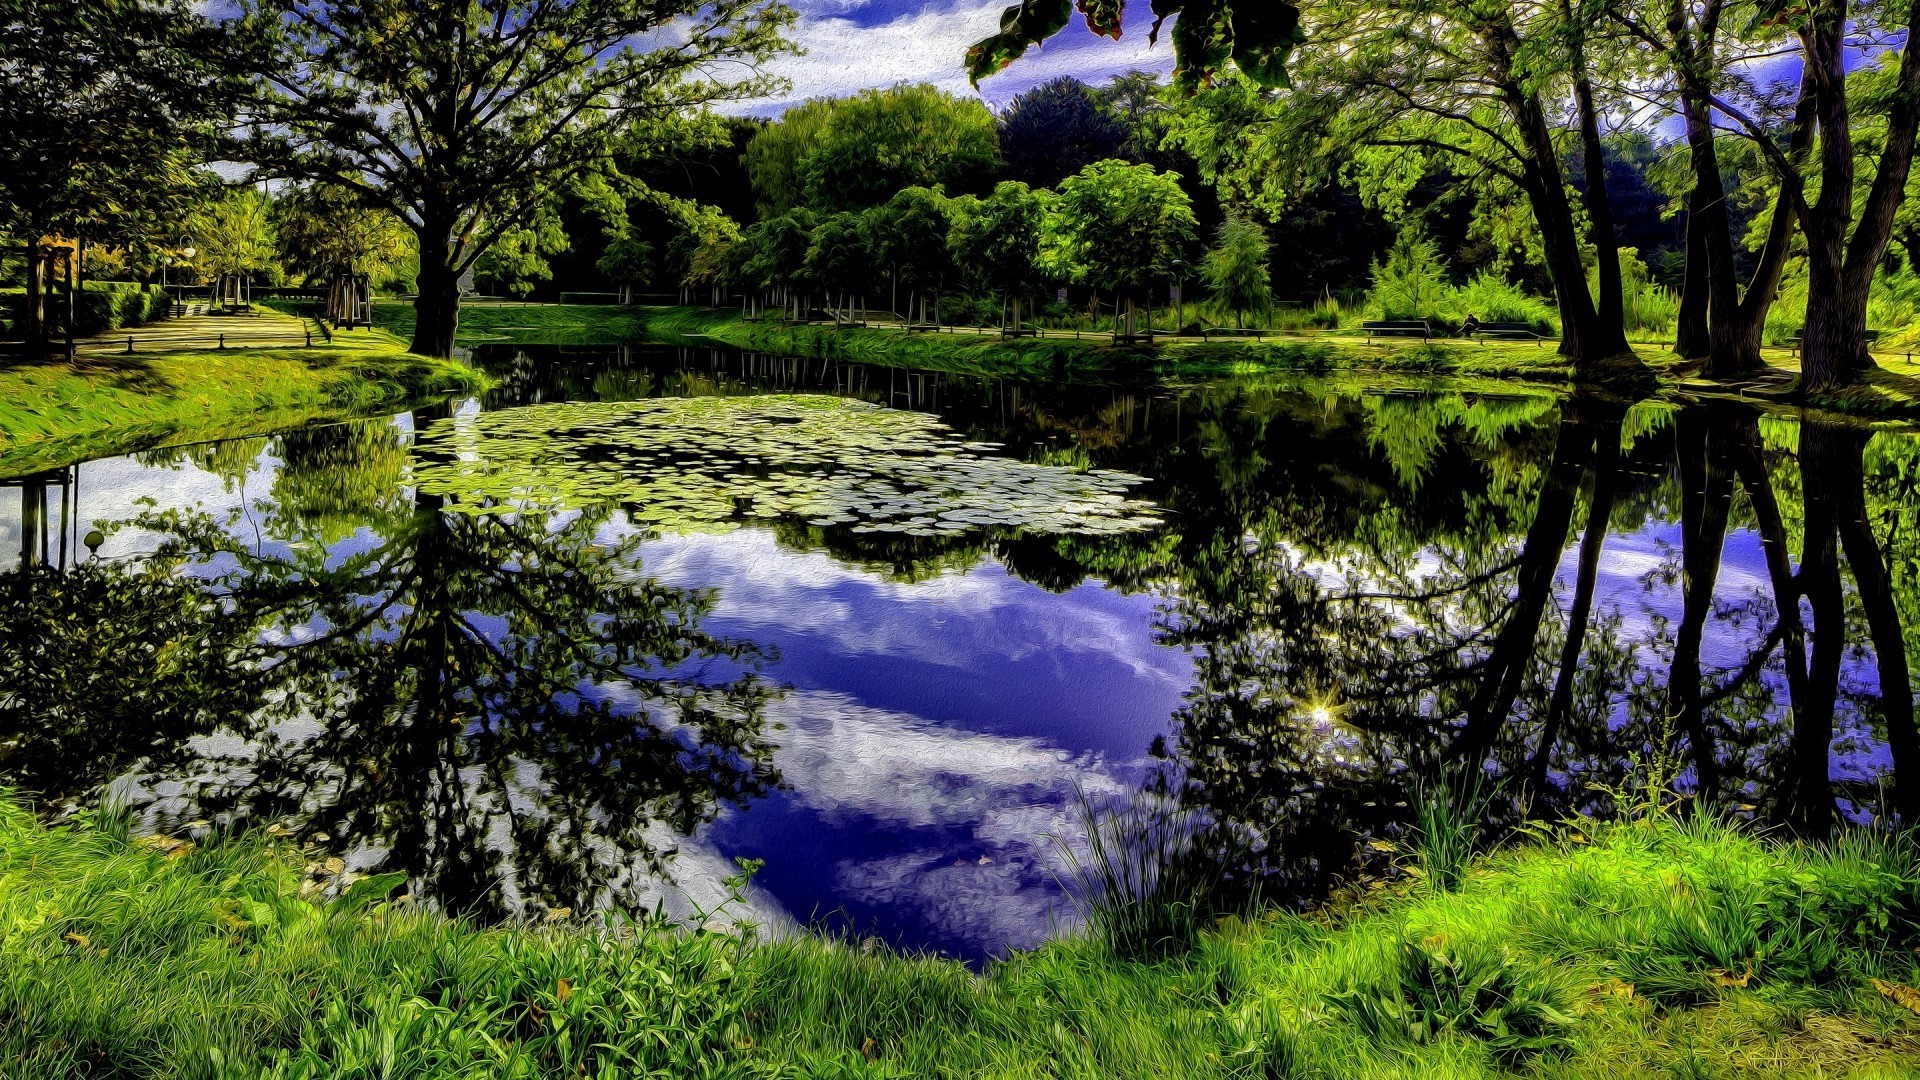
(1412,282)
(1491,298)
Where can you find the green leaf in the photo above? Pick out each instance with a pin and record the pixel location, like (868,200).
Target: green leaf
(1027,23)
(370,890)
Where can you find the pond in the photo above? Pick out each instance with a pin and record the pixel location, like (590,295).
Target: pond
(893,638)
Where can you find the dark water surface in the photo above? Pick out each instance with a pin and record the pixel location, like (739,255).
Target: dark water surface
(1345,593)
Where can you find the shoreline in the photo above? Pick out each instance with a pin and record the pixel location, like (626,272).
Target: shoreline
(1622,949)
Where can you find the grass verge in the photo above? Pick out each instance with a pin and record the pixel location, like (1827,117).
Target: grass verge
(57,410)
(1095,357)
(485,321)
(1638,949)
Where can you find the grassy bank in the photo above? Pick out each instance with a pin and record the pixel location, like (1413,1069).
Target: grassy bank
(484,321)
(1624,951)
(1095,356)
(57,410)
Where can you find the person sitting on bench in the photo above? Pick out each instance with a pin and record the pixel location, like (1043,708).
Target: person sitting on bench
(1467,328)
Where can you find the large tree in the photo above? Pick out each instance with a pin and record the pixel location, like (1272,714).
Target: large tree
(854,153)
(325,234)
(109,105)
(464,117)
(1126,227)
(999,242)
(1056,129)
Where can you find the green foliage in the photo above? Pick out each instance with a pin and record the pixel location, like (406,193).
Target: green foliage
(1477,990)
(324,231)
(150,957)
(1125,227)
(1412,282)
(110,105)
(1237,271)
(1492,298)
(1212,37)
(517,261)
(907,236)
(853,153)
(466,120)
(998,241)
(234,234)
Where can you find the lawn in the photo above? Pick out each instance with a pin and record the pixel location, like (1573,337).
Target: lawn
(1637,949)
(59,410)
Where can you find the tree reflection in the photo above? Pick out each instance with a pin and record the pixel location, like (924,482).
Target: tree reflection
(504,707)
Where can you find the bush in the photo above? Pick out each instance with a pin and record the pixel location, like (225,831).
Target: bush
(1412,282)
(100,307)
(1491,298)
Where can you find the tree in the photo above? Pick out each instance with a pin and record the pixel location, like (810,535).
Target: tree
(1127,226)
(1056,129)
(999,242)
(234,235)
(1457,89)
(1846,237)
(1708,57)
(854,153)
(517,261)
(108,104)
(838,259)
(1237,270)
(324,232)
(699,250)
(908,236)
(465,118)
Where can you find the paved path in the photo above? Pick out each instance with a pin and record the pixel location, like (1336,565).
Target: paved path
(259,329)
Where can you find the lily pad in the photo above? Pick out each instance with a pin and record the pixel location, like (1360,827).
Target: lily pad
(682,464)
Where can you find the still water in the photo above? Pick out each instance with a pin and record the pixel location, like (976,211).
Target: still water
(642,613)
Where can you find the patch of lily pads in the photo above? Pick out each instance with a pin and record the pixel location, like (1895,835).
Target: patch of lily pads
(682,464)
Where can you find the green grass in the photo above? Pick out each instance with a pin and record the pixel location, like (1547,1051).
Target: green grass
(58,410)
(525,324)
(1629,950)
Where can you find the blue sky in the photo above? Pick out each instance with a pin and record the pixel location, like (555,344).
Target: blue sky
(855,44)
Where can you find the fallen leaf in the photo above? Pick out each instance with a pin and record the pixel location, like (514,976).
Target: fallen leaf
(1723,977)
(170,846)
(559,913)
(1904,996)
(79,939)
(867,1049)
(1383,845)
(562,992)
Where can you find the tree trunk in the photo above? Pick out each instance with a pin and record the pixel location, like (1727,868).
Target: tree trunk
(36,316)
(437,307)
(1610,335)
(1706,497)
(1847,480)
(1690,340)
(1606,468)
(1834,348)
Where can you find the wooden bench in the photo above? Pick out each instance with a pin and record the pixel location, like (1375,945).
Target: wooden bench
(1233,331)
(1794,342)
(1419,328)
(1508,331)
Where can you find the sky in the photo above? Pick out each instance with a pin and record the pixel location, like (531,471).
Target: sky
(857,44)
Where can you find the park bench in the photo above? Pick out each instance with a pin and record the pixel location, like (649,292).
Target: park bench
(1515,331)
(1794,341)
(1419,328)
(1233,331)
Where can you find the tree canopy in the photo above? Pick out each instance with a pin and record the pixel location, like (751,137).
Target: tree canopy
(465,118)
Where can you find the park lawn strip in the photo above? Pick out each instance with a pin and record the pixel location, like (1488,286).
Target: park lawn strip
(1635,949)
(1093,356)
(57,411)
(483,322)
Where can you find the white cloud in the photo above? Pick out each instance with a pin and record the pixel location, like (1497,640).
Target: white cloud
(929,45)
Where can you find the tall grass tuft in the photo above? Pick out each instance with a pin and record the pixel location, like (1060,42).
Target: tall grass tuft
(1147,882)
(1447,830)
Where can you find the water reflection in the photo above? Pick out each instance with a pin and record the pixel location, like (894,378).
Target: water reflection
(500,706)
(1356,591)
